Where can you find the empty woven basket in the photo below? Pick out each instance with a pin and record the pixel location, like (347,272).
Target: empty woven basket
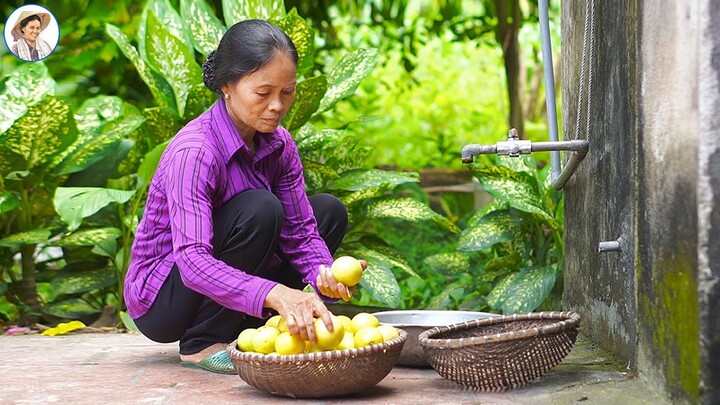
(318,375)
(496,354)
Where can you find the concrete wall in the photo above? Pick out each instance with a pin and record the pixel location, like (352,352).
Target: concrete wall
(652,177)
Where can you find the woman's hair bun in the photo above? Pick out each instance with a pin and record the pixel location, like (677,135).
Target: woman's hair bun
(208,69)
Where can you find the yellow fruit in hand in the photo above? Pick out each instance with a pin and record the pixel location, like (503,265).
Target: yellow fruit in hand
(388,332)
(273,321)
(347,323)
(364,320)
(347,270)
(264,339)
(287,343)
(368,336)
(348,342)
(282,326)
(326,339)
(245,339)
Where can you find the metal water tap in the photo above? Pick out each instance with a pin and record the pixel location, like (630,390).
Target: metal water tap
(513,147)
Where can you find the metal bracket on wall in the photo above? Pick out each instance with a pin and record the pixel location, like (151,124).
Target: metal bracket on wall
(514,147)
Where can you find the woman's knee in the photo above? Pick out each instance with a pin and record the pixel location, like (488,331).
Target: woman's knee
(327,205)
(260,207)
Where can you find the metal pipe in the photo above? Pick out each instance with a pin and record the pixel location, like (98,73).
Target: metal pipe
(573,145)
(609,246)
(570,167)
(549,85)
(468,151)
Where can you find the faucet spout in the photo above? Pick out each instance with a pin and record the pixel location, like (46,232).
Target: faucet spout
(472,150)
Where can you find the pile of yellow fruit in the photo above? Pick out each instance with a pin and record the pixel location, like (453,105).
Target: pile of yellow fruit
(363,329)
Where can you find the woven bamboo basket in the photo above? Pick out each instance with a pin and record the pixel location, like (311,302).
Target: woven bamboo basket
(321,374)
(497,354)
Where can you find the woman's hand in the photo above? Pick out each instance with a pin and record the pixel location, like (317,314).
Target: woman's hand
(299,310)
(329,287)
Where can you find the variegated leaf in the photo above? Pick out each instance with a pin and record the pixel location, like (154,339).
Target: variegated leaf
(72,308)
(445,299)
(161,124)
(76,203)
(359,179)
(449,263)
(308,94)
(84,281)
(88,237)
(172,23)
(409,210)
(168,54)
(41,134)
(499,266)
(389,256)
(199,100)
(26,238)
(26,86)
(302,36)
(347,155)
(98,174)
(316,141)
(496,227)
(8,202)
(103,121)
(9,161)
(241,10)
(205,29)
(317,175)
(350,199)
(159,88)
(149,165)
(523,291)
(379,280)
(345,77)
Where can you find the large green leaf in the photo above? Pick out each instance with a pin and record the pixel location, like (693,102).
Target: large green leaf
(345,77)
(303,37)
(171,21)
(8,202)
(98,174)
(103,121)
(493,228)
(41,134)
(447,298)
(390,257)
(169,55)
(84,281)
(379,279)
(241,10)
(149,165)
(206,30)
(519,189)
(158,86)
(449,263)
(523,291)
(89,237)
(409,210)
(317,140)
(361,179)
(26,238)
(161,124)
(499,266)
(76,203)
(317,175)
(308,94)
(26,86)
(73,308)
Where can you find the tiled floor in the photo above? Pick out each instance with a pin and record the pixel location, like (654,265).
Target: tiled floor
(127,368)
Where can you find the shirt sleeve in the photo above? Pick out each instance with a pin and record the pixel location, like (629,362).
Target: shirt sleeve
(300,241)
(191,178)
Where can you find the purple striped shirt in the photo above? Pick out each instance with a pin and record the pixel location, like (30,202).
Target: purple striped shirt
(204,166)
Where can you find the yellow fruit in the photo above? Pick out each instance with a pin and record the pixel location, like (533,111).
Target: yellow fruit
(388,332)
(282,325)
(245,339)
(364,320)
(348,342)
(287,343)
(347,270)
(273,321)
(326,339)
(264,339)
(347,323)
(368,336)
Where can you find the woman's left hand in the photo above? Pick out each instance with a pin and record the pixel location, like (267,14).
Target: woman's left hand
(329,287)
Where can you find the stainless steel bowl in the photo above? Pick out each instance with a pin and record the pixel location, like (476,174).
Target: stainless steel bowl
(415,322)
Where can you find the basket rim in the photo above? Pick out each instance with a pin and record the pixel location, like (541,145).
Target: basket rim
(566,320)
(235,353)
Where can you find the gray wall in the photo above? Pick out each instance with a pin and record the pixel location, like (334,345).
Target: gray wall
(652,177)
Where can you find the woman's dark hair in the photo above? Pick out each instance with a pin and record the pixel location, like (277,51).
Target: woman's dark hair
(25,21)
(246,47)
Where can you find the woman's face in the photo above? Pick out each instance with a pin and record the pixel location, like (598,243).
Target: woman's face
(32,30)
(259,101)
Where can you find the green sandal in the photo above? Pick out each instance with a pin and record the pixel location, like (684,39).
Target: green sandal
(217,363)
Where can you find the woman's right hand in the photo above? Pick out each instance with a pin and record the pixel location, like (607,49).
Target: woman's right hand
(299,310)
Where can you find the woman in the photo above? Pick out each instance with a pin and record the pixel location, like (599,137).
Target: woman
(26,33)
(228,234)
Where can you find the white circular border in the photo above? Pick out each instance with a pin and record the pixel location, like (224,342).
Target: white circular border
(51,34)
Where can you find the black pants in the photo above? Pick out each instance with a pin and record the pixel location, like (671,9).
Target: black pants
(246,234)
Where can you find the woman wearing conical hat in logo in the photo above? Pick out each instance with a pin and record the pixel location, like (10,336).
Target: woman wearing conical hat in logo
(26,33)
